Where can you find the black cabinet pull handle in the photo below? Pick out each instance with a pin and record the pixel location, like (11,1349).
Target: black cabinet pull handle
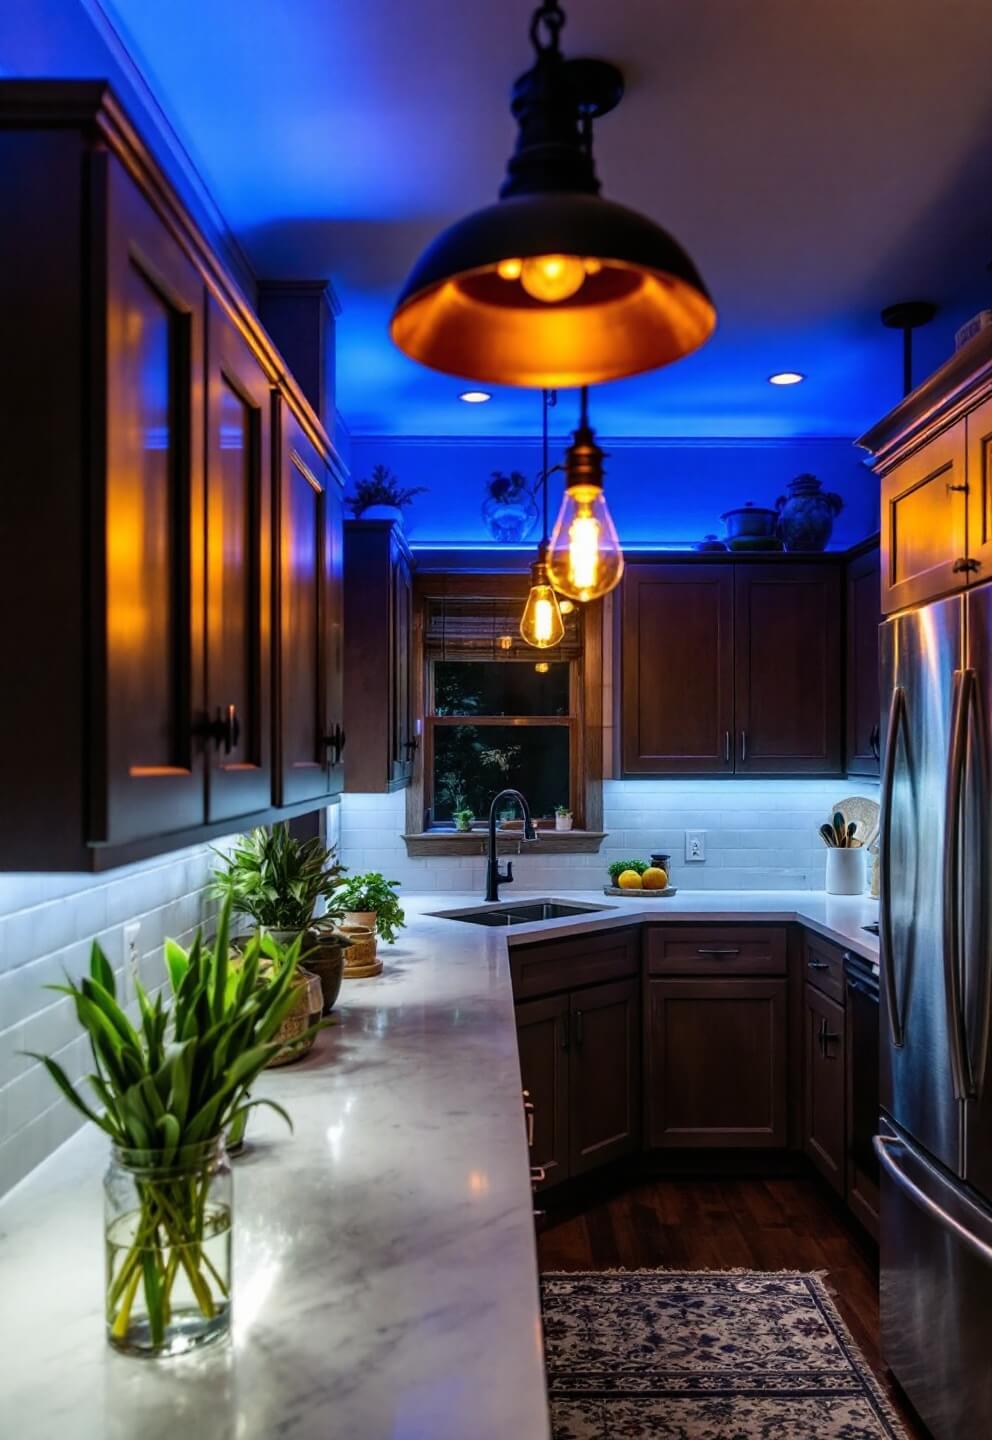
(726,747)
(224,731)
(744,745)
(565,1038)
(335,742)
(410,746)
(873,741)
(817,965)
(717,950)
(578,1029)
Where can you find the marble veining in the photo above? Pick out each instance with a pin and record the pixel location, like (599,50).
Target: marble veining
(385,1266)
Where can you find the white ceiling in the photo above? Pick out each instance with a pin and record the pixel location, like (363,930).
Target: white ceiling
(818,158)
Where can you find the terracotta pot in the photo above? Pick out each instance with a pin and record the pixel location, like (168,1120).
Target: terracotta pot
(365,918)
(306,1011)
(361,960)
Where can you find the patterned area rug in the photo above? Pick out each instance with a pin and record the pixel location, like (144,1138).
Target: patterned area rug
(705,1355)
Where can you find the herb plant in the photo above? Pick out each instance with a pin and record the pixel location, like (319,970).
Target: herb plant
(373,892)
(167,1088)
(562,810)
(382,488)
(619,866)
(277,880)
(507,488)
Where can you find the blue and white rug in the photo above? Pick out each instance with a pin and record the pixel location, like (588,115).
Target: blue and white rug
(705,1355)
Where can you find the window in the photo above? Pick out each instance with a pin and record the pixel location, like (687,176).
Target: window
(497,713)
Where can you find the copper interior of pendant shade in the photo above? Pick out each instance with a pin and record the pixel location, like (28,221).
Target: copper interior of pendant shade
(627,321)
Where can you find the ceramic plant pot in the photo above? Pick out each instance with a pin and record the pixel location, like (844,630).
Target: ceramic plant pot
(845,871)
(806,514)
(563,822)
(325,953)
(512,519)
(362,959)
(296,1034)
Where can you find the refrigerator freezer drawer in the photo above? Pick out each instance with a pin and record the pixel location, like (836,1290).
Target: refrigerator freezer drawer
(936,1291)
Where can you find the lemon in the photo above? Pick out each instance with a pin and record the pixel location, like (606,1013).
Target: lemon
(654,878)
(629,880)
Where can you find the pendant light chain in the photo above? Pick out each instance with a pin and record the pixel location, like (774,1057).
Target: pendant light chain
(549,399)
(551,16)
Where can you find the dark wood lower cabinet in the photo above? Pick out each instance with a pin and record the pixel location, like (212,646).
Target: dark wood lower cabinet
(604,1074)
(718,1060)
(824,1129)
(542,1038)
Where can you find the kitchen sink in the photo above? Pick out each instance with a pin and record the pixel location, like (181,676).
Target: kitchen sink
(523,913)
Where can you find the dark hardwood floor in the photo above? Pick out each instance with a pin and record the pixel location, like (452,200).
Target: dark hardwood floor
(703,1224)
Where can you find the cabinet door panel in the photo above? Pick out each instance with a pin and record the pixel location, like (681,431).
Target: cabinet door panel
(402,717)
(678,673)
(543,1039)
(237,574)
(604,1074)
(824,1087)
(979,431)
(924,523)
(717,1063)
(864,615)
(149,629)
(308,608)
(788,669)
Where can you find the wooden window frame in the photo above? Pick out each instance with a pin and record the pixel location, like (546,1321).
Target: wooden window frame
(584,722)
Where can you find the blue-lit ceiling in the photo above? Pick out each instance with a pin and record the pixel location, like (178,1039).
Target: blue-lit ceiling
(817,161)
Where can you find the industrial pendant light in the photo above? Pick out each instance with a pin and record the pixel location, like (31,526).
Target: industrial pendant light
(584,556)
(541,624)
(553,286)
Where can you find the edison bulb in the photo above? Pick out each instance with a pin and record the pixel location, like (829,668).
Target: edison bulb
(552,277)
(585,558)
(541,624)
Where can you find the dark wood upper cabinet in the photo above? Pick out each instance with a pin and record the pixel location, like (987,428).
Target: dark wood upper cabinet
(979,475)
(731,668)
(146,620)
(717,1063)
(310,735)
(788,666)
(825,1125)
(924,522)
(137,532)
(864,615)
(378,617)
(604,1074)
(238,574)
(678,670)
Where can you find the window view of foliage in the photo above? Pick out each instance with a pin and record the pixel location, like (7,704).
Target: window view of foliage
(473,762)
(499,687)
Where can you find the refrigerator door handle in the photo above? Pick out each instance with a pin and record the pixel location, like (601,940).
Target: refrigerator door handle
(976,755)
(957,755)
(885,1145)
(897,719)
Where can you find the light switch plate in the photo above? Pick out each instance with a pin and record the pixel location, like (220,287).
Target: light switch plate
(695,846)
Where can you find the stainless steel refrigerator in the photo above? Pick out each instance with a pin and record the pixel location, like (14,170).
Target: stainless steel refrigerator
(935,1130)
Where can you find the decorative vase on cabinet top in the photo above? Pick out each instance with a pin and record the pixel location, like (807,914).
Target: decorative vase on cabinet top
(806,514)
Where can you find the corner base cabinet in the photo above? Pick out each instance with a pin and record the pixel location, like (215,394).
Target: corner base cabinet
(148,690)
(580,1050)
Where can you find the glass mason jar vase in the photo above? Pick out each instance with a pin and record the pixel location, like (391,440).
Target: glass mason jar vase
(167,1228)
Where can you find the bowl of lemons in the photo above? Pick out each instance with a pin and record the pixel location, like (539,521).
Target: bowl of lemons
(638,878)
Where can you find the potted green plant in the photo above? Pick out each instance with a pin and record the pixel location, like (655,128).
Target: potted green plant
(509,509)
(167,1090)
(278,881)
(563,817)
(382,497)
(463,818)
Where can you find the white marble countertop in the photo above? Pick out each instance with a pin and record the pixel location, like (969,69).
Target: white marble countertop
(385,1267)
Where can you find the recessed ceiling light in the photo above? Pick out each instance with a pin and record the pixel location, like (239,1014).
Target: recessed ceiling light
(786,377)
(475,397)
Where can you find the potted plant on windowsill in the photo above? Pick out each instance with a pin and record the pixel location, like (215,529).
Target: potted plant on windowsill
(382,497)
(463,820)
(563,817)
(278,881)
(371,909)
(168,1088)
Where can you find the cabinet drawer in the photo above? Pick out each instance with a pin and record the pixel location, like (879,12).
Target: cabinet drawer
(823,966)
(716,950)
(577,960)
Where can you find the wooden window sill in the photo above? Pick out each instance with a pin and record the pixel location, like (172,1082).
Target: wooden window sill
(445,843)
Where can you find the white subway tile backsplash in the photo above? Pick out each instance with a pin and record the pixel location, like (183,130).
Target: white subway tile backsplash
(760,835)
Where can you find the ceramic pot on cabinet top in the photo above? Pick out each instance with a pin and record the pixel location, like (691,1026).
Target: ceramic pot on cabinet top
(806,514)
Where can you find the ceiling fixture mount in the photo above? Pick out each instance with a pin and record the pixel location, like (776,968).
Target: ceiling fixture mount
(553,286)
(907,316)
(786,377)
(475,397)
(585,560)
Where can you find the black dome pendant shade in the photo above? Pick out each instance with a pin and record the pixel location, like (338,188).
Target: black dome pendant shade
(553,286)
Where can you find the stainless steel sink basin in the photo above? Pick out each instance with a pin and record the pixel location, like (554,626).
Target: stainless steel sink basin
(520,914)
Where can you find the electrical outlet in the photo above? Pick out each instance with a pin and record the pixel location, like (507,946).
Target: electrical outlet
(695,846)
(132,953)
